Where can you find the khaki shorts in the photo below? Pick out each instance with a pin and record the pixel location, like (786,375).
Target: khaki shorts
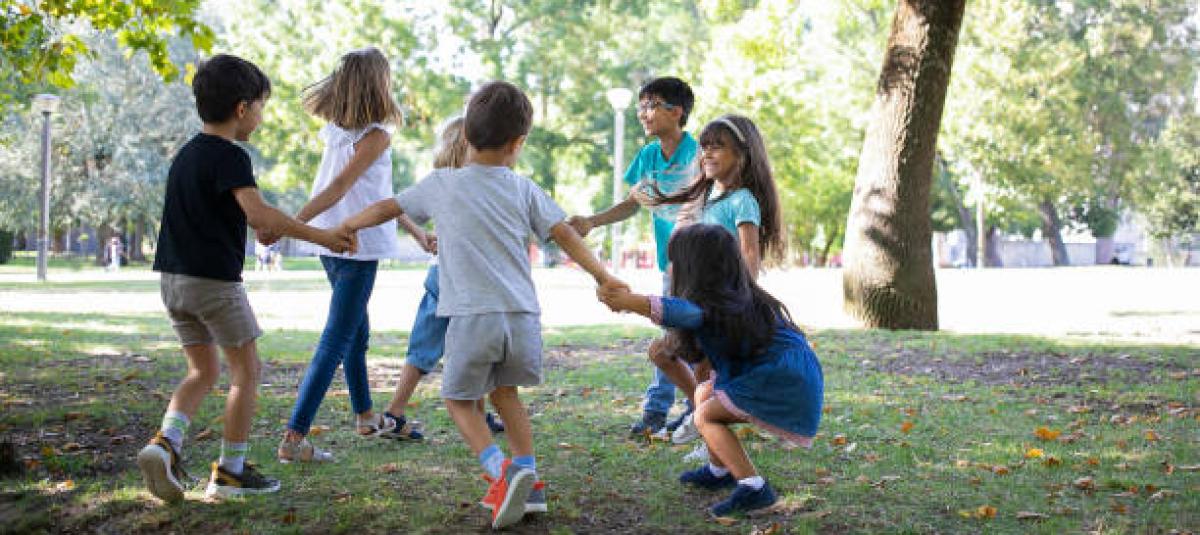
(484,351)
(206,311)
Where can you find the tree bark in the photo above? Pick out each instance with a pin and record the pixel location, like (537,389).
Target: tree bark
(992,248)
(888,280)
(966,219)
(1052,230)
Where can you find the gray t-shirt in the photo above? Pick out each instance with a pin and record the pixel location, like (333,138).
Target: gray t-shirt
(483,217)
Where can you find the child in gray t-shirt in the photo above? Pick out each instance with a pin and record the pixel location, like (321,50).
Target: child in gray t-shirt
(484,213)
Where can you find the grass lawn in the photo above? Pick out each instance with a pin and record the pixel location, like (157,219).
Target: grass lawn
(923,432)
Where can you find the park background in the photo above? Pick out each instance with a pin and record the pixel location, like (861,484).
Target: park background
(1050,399)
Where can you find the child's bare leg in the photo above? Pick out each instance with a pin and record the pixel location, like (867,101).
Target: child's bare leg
(245,371)
(204,369)
(409,377)
(482,407)
(703,371)
(724,448)
(516,419)
(469,420)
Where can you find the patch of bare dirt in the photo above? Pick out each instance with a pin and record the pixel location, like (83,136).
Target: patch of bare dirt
(1022,368)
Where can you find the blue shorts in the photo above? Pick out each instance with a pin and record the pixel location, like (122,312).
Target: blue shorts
(427,342)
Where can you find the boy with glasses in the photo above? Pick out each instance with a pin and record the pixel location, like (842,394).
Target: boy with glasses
(667,164)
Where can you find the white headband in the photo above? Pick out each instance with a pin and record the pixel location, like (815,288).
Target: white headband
(724,119)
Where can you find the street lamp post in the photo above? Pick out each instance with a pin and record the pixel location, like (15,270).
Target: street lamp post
(619,98)
(46,104)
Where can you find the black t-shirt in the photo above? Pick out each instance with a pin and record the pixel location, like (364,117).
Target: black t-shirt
(203,230)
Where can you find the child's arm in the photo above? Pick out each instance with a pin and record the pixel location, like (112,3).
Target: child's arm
(366,151)
(266,219)
(375,214)
(748,237)
(623,300)
(618,212)
(670,312)
(570,242)
(427,241)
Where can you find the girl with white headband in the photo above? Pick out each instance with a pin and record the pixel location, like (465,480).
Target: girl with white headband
(736,190)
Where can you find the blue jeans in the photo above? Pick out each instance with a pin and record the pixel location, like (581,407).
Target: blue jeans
(660,395)
(344,341)
(427,341)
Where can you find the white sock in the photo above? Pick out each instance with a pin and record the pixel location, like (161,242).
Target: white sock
(717,470)
(754,482)
(174,427)
(233,456)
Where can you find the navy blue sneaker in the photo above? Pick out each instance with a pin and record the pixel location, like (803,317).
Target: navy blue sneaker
(400,429)
(745,500)
(495,424)
(703,477)
(652,422)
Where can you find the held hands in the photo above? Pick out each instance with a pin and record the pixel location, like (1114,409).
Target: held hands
(266,237)
(582,225)
(340,239)
(615,294)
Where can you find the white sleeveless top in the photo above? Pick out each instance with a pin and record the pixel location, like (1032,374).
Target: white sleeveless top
(375,184)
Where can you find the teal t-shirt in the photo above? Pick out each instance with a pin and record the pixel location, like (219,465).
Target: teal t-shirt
(738,207)
(670,175)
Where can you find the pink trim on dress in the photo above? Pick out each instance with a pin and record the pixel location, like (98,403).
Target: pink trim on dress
(789,436)
(656,309)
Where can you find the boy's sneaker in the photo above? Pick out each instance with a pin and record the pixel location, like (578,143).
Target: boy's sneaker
(704,478)
(495,424)
(652,422)
(301,451)
(507,494)
(679,420)
(537,499)
(535,504)
(698,455)
(162,469)
(745,500)
(227,485)
(400,428)
(686,431)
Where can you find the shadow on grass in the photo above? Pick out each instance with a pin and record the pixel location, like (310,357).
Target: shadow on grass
(900,449)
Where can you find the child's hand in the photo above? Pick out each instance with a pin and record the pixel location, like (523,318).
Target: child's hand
(614,294)
(266,237)
(581,224)
(341,239)
(427,241)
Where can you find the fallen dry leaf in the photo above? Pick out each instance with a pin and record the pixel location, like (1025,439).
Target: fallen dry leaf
(825,481)
(906,426)
(65,485)
(1052,461)
(954,397)
(1000,470)
(962,463)
(1034,453)
(839,440)
(1079,409)
(1092,461)
(1120,508)
(1030,515)
(982,512)
(1150,435)
(317,430)
(1046,433)
(203,434)
(1188,468)
(725,521)
(1084,483)
(389,468)
(72,416)
(772,529)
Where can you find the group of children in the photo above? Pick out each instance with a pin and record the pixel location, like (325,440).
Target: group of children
(731,347)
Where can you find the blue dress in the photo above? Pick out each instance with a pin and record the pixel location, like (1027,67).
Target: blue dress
(780,390)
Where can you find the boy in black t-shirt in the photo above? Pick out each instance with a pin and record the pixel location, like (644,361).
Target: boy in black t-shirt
(211,197)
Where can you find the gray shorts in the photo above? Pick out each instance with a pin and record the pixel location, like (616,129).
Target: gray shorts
(484,351)
(204,311)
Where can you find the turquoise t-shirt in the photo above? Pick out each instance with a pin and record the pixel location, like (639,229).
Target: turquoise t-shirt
(738,207)
(670,175)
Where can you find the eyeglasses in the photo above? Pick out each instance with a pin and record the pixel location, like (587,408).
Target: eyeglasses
(643,107)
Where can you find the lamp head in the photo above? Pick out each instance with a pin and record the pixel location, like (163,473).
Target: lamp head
(619,97)
(45,103)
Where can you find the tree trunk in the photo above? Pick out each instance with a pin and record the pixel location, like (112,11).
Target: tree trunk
(966,219)
(135,243)
(992,248)
(103,234)
(888,280)
(833,236)
(1052,230)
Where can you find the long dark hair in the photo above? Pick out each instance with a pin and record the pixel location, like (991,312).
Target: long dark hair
(707,269)
(753,172)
